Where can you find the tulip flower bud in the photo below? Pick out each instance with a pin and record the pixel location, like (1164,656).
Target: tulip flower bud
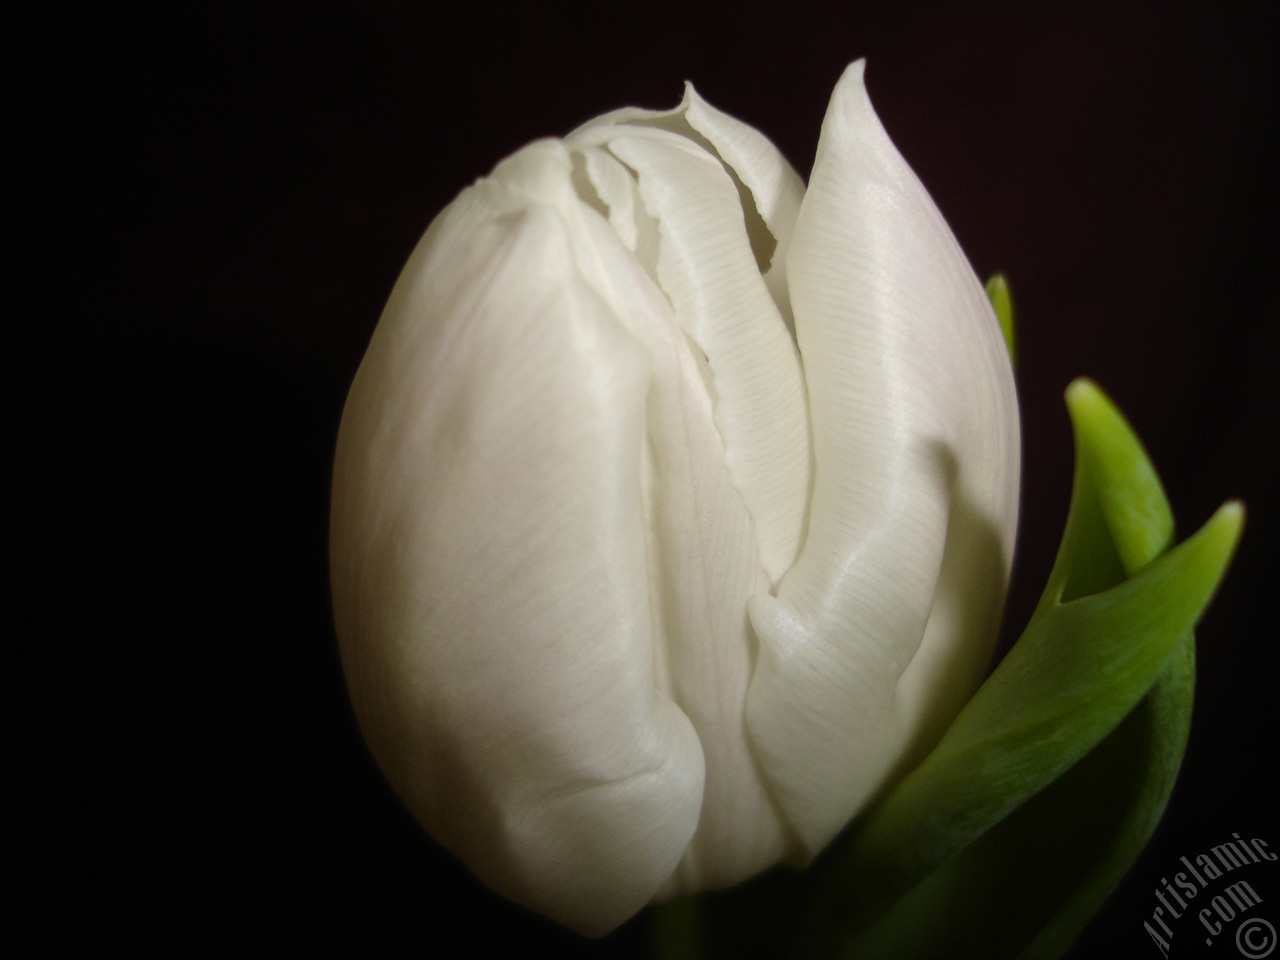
(673,507)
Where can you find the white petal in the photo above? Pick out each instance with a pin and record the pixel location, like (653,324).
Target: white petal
(776,190)
(770,188)
(615,188)
(489,571)
(703,569)
(703,563)
(707,268)
(915,487)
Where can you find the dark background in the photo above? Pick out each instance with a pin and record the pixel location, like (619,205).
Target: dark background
(227,195)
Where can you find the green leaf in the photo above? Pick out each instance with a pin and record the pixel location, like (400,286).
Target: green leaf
(1076,672)
(1034,804)
(1129,776)
(1119,519)
(1143,755)
(1002,303)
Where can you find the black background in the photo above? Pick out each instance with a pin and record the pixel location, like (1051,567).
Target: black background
(226,196)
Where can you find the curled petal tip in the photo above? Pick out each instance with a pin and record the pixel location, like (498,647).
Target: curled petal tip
(852,82)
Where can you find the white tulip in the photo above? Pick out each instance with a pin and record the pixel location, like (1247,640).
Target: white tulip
(673,506)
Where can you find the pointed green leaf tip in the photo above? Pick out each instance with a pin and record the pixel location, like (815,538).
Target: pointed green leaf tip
(1004,841)
(1002,303)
